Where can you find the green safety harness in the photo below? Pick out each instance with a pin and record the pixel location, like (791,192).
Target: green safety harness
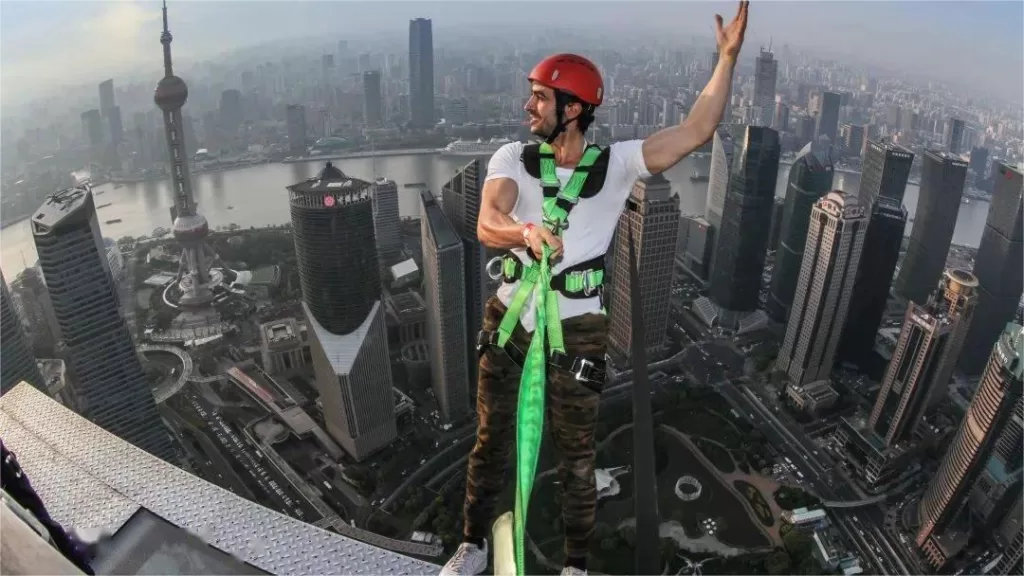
(546,347)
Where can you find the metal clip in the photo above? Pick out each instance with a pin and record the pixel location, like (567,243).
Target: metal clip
(588,288)
(579,365)
(495,275)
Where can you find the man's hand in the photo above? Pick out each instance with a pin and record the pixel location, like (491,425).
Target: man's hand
(730,38)
(539,237)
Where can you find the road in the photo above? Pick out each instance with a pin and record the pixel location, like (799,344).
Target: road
(862,526)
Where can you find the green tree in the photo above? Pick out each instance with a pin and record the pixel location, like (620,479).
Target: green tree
(777,563)
(797,543)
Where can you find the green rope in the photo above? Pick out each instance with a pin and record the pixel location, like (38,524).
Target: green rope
(530,417)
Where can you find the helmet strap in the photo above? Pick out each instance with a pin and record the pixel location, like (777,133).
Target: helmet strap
(561,101)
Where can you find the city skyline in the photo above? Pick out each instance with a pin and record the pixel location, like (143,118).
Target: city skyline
(990,60)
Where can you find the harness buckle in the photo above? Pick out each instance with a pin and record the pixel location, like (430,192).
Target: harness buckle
(556,227)
(588,288)
(494,268)
(581,368)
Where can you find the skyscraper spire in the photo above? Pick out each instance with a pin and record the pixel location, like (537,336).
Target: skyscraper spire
(165,39)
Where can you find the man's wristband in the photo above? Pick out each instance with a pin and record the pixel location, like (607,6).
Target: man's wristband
(527,228)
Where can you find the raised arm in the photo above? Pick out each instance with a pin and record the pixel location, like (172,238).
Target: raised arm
(665,148)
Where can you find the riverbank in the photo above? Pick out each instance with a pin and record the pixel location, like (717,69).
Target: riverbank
(363,154)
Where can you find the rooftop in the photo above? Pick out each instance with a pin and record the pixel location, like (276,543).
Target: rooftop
(91,480)
(59,206)
(330,180)
(441,230)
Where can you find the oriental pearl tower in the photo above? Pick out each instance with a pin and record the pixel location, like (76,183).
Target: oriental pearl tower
(195,278)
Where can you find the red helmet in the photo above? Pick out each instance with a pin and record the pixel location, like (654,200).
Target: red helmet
(571,74)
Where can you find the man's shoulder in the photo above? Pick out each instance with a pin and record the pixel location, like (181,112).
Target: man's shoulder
(511,149)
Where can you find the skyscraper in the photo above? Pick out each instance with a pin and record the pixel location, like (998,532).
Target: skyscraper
(387,222)
(828,118)
(195,279)
(443,293)
(938,205)
(956,298)
(810,178)
(990,409)
(460,200)
(421,72)
(372,100)
(765,71)
(107,94)
(885,173)
(979,161)
(718,179)
(874,276)
(908,380)
(994,491)
(296,119)
(954,135)
(742,238)
(998,267)
(231,113)
(17,363)
(109,386)
(835,240)
(1009,539)
(92,128)
(853,137)
(651,218)
(332,223)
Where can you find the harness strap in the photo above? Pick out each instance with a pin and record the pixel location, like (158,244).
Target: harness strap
(589,371)
(584,280)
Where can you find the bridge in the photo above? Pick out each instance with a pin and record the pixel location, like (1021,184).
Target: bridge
(162,394)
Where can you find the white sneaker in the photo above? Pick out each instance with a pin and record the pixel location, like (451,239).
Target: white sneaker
(468,560)
(573,571)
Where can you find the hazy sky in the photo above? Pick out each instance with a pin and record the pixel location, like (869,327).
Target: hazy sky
(46,44)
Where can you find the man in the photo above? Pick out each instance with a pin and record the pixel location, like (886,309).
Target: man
(565,90)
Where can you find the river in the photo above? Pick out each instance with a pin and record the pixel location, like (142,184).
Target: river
(256,196)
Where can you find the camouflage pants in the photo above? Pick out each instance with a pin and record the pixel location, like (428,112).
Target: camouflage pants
(571,417)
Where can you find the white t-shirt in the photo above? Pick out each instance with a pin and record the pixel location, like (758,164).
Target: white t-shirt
(592,221)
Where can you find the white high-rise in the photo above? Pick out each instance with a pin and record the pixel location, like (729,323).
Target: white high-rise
(835,239)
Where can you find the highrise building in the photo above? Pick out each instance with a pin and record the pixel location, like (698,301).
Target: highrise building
(421,72)
(36,309)
(387,222)
(443,293)
(718,178)
(1009,539)
(693,248)
(956,298)
(195,278)
(231,113)
(938,205)
(885,173)
(742,238)
(295,117)
(775,232)
(107,95)
(828,118)
(955,135)
(781,120)
(874,276)
(115,125)
(853,137)
(651,218)
(810,178)
(373,102)
(108,385)
(766,69)
(1000,481)
(835,239)
(998,266)
(332,223)
(991,408)
(979,161)
(92,128)
(460,200)
(911,373)
(18,364)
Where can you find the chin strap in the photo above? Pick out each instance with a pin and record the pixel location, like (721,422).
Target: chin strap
(561,101)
